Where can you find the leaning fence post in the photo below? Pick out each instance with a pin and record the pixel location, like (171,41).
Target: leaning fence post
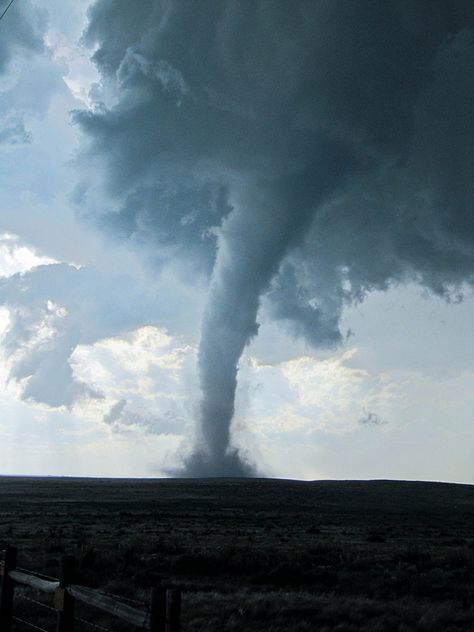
(158,610)
(8,589)
(173,610)
(64,602)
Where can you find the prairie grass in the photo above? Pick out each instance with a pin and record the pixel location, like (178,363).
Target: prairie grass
(258,555)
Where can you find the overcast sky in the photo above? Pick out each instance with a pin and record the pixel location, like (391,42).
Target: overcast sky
(191,187)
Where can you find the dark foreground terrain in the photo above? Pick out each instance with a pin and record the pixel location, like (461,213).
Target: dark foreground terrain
(258,554)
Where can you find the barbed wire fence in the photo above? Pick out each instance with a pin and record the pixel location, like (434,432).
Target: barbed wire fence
(160,614)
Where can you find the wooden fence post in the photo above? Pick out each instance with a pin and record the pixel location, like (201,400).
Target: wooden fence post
(173,610)
(7,589)
(158,610)
(63,601)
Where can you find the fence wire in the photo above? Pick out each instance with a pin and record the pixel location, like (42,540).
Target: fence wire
(36,602)
(95,626)
(28,624)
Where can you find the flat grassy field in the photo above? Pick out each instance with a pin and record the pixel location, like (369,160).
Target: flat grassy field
(257,554)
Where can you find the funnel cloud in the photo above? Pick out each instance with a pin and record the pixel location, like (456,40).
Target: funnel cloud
(297,155)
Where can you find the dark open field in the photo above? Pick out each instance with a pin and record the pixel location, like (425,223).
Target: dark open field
(260,554)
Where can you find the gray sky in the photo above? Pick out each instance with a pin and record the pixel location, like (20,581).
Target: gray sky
(188,188)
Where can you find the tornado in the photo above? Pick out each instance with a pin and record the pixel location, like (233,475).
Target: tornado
(307,153)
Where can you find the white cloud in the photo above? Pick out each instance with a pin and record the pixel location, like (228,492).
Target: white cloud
(142,376)
(18,257)
(78,71)
(306,395)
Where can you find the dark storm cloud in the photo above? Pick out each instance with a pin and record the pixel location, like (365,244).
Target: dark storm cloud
(21,30)
(309,151)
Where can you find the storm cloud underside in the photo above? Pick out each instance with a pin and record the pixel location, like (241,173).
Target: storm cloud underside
(299,154)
